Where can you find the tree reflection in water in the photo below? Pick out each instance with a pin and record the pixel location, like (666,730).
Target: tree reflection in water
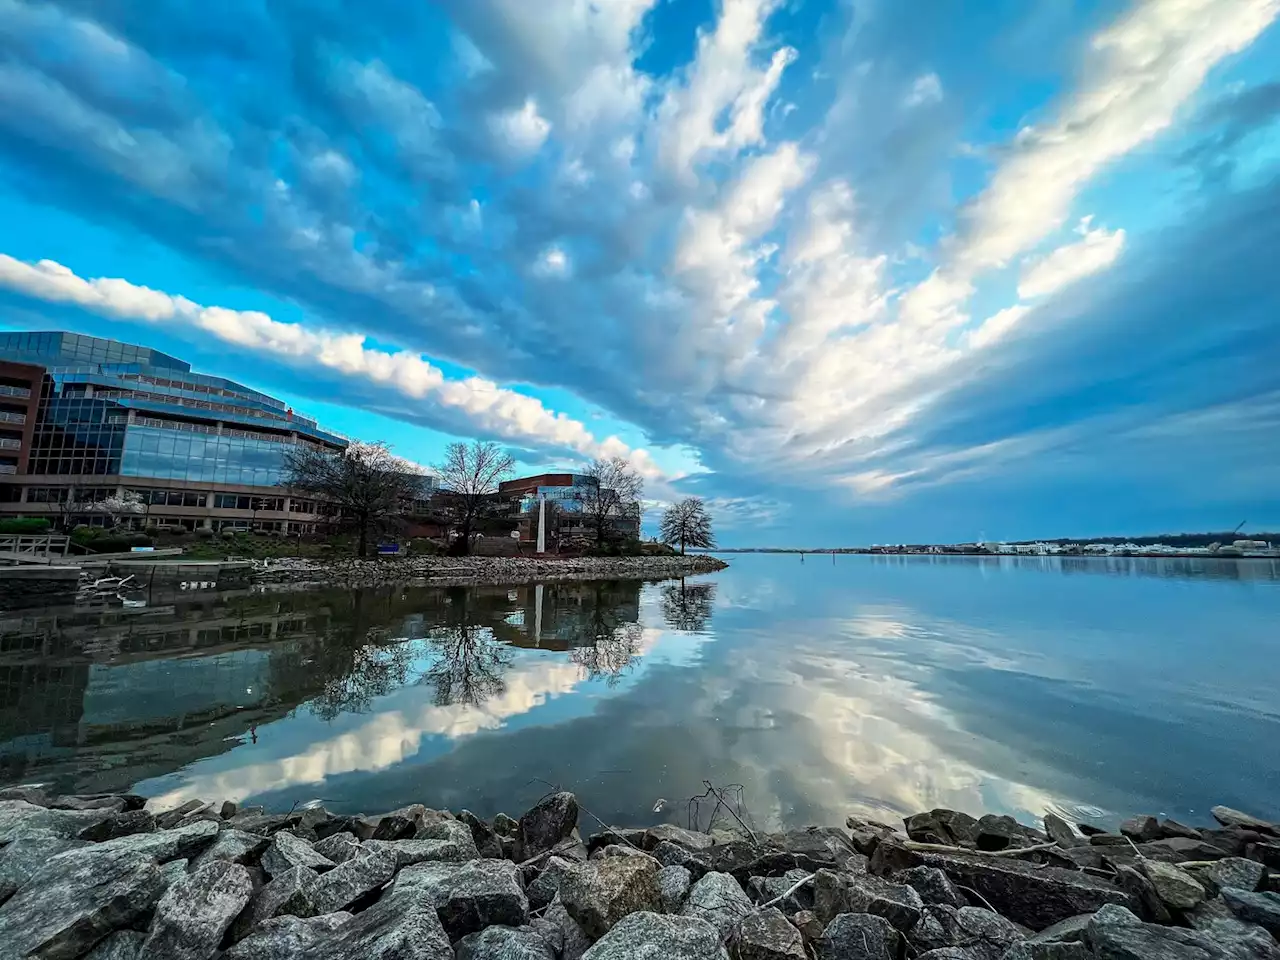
(373,671)
(469,663)
(606,645)
(688,606)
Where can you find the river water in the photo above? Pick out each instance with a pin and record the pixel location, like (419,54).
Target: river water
(817,688)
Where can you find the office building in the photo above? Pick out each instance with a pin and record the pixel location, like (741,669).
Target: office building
(566,493)
(84,421)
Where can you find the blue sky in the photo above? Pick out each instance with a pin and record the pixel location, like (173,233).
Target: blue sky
(853,271)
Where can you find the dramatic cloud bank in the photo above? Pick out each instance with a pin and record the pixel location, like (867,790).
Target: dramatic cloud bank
(872,283)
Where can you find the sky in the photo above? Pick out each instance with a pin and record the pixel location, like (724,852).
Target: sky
(853,271)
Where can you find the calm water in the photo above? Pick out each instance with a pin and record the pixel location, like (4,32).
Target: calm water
(872,684)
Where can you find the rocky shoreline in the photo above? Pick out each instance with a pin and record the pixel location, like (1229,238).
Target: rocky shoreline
(454,571)
(106,878)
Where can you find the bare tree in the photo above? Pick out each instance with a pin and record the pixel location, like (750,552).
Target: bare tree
(687,522)
(472,472)
(366,481)
(612,495)
(688,607)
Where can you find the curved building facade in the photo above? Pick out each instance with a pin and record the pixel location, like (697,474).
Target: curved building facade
(83,419)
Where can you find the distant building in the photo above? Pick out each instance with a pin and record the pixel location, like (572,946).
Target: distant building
(566,494)
(84,419)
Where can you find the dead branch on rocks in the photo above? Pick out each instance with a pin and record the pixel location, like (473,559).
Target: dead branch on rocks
(919,847)
(718,794)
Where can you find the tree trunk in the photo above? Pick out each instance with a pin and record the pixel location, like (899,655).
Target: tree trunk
(364,537)
(682,552)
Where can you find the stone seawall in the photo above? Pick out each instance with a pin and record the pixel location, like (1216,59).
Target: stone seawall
(488,570)
(107,878)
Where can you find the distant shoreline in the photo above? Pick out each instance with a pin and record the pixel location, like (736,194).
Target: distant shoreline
(868,552)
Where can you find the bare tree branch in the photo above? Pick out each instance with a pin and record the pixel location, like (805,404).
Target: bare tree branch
(687,523)
(471,474)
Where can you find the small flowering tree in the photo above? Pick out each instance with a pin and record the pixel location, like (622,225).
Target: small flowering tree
(117,508)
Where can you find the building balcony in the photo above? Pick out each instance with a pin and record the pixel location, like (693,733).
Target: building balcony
(8,468)
(7,416)
(8,443)
(21,393)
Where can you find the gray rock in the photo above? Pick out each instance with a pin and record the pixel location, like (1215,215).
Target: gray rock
(180,843)
(718,899)
(17,817)
(254,820)
(633,837)
(689,839)
(233,846)
(1002,832)
(171,818)
(1062,832)
(600,893)
(453,831)
(670,854)
(807,922)
(77,898)
(673,888)
(989,933)
(338,847)
(1174,886)
(938,926)
(742,858)
(286,937)
(1116,934)
(551,821)
(1172,828)
(504,826)
(767,935)
(933,886)
(1141,829)
(195,912)
(30,851)
(173,871)
(766,889)
(504,943)
(1070,930)
(228,809)
(121,945)
(409,852)
(482,835)
(1215,917)
(349,882)
(124,824)
(948,953)
(287,893)
(469,896)
(1178,849)
(400,926)
(1151,907)
(110,803)
(617,850)
(936,827)
(1030,894)
(1267,854)
(816,848)
(858,936)
(287,851)
(394,827)
(546,886)
(550,933)
(835,893)
(1047,951)
(1234,818)
(575,939)
(33,793)
(1260,908)
(651,936)
(1232,872)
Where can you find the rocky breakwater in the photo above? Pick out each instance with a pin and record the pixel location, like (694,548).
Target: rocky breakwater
(449,571)
(105,878)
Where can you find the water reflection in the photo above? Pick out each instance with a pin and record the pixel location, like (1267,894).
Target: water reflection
(880,684)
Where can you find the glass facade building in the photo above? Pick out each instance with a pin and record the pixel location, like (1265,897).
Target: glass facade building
(114,417)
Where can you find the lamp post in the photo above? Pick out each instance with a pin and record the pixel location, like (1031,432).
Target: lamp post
(542,523)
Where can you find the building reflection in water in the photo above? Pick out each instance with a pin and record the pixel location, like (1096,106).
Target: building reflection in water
(96,700)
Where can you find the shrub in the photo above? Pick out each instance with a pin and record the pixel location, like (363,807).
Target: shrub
(151,530)
(24,525)
(204,533)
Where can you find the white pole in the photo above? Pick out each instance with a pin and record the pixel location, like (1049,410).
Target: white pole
(542,523)
(537,615)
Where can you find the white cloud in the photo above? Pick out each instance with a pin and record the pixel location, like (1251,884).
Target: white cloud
(1095,251)
(926,89)
(491,409)
(524,131)
(996,326)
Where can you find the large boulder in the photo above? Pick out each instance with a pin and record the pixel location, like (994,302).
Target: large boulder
(286,936)
(1234,818)
(504,943)
(933,885)
(124,824)
(17,817)
(814,848)
(288,893)
(1175,887)
(945,827)
(1141,829)
(1061,831)
(409,852)
(1033,895)
(121,945)
(1150,906)
(233,846)
(550,822)
(574,940)
(1232,872)
(1002,832)
(468,896)
(1048,951)
(27,854)
(180,843)
(783,889)
(651,936)
(287,851)
(349,883)
(858,936)
(865,835)
(600,893)
(338,847)
(77,898)
(718,899)
(483,836)
(1116,934)
(400,926)
(546,885)
(1260,908)
(835,893)
(689,839)
(673,887)
(195,912)
(768,935)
